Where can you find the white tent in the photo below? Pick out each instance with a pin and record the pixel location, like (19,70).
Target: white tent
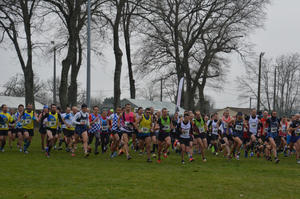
(13,102)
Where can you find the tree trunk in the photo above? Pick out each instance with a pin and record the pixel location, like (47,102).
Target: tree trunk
(28,76)
(203,108)
(118,55)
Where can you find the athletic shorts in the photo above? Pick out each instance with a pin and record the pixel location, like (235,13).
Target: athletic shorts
(272,135)
(17,130)
(3,132)
(288,139)
(214,137)
(68,133)
(228,136)
(152,134)
(59,130)
(196,136)
(43,130)
(185,141)
(53,131)
(30,131)
(163,136)
(294,139)
(239,135)
(79,129)
(114,131)
(143,136)
(203,136)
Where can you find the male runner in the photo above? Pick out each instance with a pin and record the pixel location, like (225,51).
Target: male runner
(199,129)
(295,138)
(5,119)
(94,131)
(185,129)
(115,131)
(104,131)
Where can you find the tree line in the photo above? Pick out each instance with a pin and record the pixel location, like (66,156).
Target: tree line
(173,39)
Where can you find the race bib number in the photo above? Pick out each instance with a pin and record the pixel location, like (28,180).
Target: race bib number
(166,128)
(201,130)
(254,125)
(4,126)
(215,131)
(83,122)
(145,130)
(104,128)
(274,130)
(52,123)
(225,125)
(185,131)
(238,128)
(27,121)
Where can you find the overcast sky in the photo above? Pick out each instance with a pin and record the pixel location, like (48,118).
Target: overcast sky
(280,36)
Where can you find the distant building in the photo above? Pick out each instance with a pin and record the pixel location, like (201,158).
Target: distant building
(157,105)
(13,102)
(233,111)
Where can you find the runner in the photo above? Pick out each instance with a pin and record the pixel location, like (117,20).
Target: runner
(145,125)
(139,114)
(104,131)
(18,130)
(273,131)
(238,131)
(81,120)
(28,118)
(263,144)
(5,119)
(165,126)
(213,127)
(94,131)
(126,123)
(295,138)
(43,126)
(227,139)
(199,129)
(11,130)
(53,121)
(70,128)
(253,130)
(185,129)
(283,134)
(115,132)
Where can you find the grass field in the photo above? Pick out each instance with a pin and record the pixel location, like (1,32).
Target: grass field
(62,176)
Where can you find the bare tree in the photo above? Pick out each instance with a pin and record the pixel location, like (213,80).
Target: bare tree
(191,37)
(16,21)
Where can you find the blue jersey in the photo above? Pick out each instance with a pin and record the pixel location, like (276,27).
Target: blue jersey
(18,124)
(104,125)
(114,117)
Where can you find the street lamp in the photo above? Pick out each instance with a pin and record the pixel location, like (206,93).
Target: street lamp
(54,72)
(88,78)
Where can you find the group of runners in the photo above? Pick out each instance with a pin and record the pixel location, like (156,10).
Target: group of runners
(154,133)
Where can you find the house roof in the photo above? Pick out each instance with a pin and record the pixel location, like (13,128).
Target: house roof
(157,105)
(13,102)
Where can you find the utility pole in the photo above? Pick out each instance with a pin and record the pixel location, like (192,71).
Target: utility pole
(88,78)
(161,89)
(259,80)
(250,103)
(274,100)
(54,72)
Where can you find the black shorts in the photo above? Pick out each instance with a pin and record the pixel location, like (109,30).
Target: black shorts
(203,136)
(3,132)
(152,134)
(185,141)
(228,136)
(196,136)
(68,133)
(53,131)
(30,131)
(18,130)
(214,137)
(43,130)
(163,136)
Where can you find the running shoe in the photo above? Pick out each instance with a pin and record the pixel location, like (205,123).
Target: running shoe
(73,154)
(149,160)
(165,155)
(26,152)
(237,157)
(153,155)
(192,159)
(182,162)
(251,154)
(204,160)
(277,160)
(298,162)
(159,161)
(128,157)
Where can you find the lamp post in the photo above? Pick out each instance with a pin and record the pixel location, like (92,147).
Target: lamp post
(88,78)
(54,72)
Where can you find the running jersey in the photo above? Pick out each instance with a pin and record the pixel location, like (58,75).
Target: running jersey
(214,127)
(175,123)
(104,124)
(224,124)
(81,119)
(52,122)
(19,123)
(127,122)
(253,125)
(114,118)
(284,126)
(263,126)
(185,129)
(164,124)
(68,118)
(238,127)
(145,124)
(5,119)
(63,126)
(96,126)
(27,119)
(295,124)
(199,126)
(274,124)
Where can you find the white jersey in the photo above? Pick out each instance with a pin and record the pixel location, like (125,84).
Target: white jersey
(185,128)
(215,128)
(81,118)
(63,115)
(253,125)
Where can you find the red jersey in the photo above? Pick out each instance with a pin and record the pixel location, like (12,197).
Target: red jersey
(263,127)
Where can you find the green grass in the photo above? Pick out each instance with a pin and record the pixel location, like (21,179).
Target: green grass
(62,176)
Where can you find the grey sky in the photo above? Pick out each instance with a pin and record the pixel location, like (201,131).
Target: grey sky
(279,36)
